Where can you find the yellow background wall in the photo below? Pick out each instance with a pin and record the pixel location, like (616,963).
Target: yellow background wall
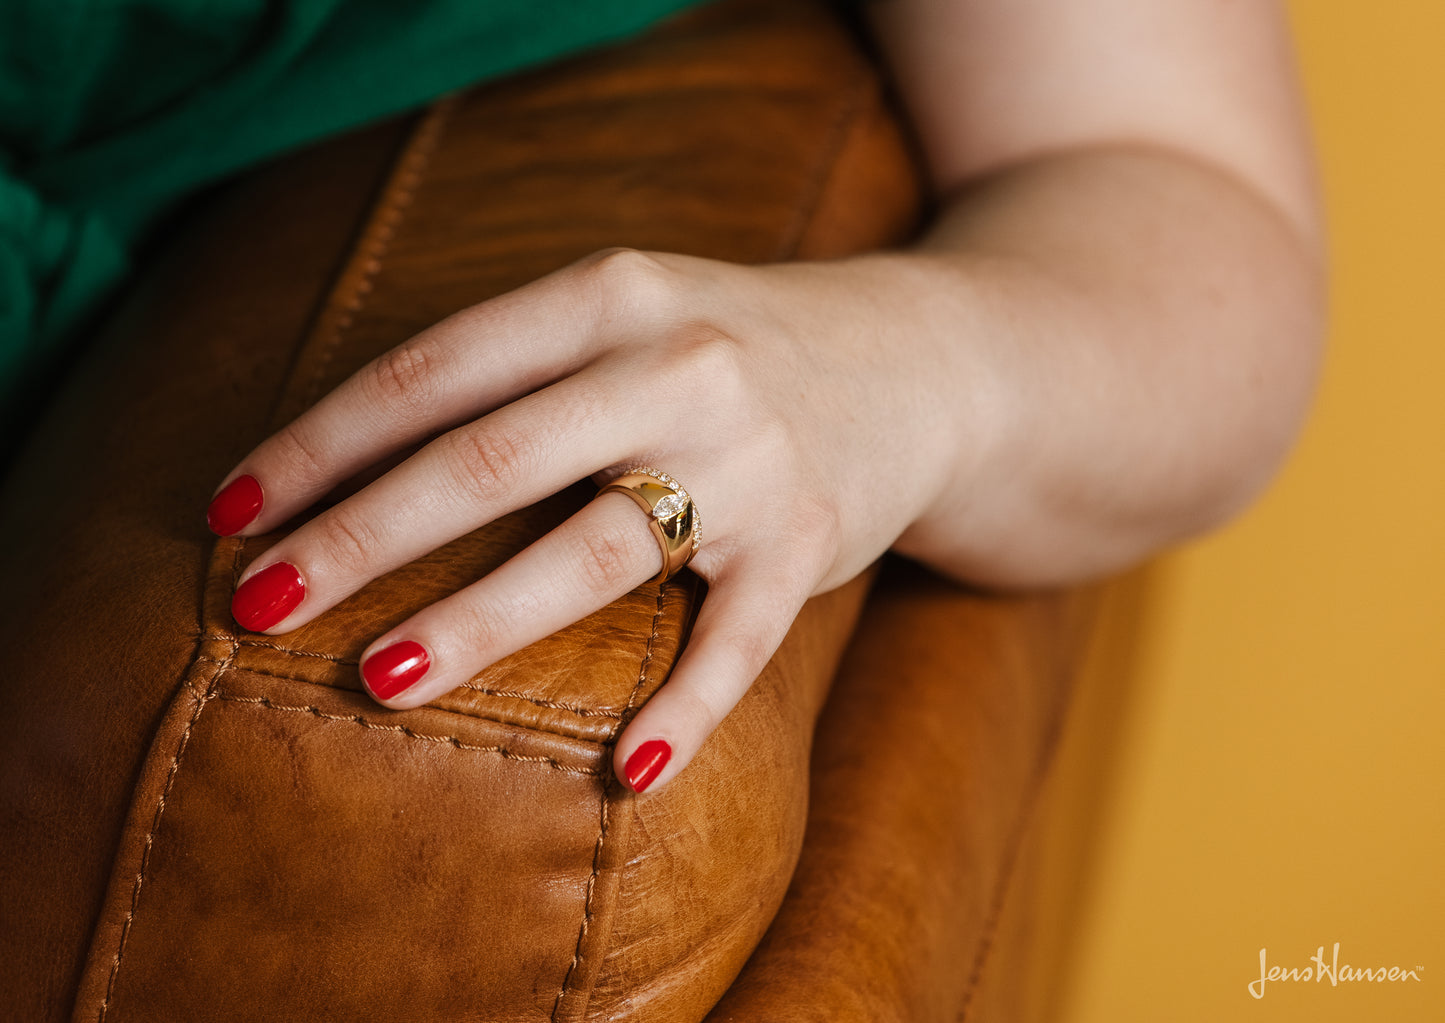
(1278,772)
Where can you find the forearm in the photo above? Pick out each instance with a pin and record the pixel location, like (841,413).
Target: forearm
(1133,338)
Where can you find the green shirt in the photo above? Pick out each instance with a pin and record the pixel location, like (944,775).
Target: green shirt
(110,110)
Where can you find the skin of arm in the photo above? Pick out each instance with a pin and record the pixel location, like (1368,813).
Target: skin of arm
(1130,204)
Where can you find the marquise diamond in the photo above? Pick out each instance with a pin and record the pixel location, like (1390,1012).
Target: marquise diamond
(671,505)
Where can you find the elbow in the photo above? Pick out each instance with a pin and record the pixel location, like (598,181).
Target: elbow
(1276,390)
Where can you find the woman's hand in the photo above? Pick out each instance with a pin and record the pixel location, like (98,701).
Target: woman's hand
(1106,342)
(809,434)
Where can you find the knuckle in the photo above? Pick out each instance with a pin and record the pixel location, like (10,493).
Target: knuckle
(607,562)
(711,696)
(298,450)
(811,540)
(480,629)
(826,530)
(715,353)
(709,366)
(622,264)
(703,706)
(626,282)
(752,650)
(487,460)
(405,377)
(347,541)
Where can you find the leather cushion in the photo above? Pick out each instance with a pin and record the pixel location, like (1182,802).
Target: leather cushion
(204,823)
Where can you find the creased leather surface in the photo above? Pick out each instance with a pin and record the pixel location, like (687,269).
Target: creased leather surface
(928,764)
(207,824)
(100,610)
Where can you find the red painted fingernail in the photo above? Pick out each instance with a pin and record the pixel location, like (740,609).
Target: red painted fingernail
(268,596)
(646,763)
(235,507)
(395,669)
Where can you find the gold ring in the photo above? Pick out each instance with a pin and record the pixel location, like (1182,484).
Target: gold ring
(671,514)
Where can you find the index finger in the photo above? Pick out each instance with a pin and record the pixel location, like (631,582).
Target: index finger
(465,366)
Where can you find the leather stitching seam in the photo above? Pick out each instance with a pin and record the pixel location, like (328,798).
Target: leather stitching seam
(149,842)
(267,645)
(587,906)
(420,150)
(573,708)
(647,654)
(460,713)
(1008,867)
(456,742)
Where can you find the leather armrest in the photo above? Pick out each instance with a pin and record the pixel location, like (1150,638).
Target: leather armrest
(205,823)
(926,891)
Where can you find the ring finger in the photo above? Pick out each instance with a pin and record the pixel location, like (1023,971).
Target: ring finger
(601,553)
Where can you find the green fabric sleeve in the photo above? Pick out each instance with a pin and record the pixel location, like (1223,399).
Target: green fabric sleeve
(112,110)
(55,263)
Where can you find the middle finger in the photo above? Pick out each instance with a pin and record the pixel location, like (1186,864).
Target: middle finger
(514,457)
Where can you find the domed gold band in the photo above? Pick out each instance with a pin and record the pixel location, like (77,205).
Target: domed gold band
(671,514)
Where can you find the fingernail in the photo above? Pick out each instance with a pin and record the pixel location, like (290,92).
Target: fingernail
(235,507)
(268,596)
(395,669)
(646,763)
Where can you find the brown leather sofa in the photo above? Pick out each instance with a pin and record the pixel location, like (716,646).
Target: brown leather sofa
(201,823)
